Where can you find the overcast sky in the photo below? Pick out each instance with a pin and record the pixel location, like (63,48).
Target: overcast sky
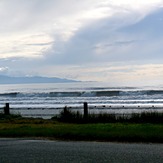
(116,41)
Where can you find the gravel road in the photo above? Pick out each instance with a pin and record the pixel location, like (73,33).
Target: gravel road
(42,151)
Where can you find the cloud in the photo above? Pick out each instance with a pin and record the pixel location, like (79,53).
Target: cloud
(3,70)
(57,21)
(101,41)
(60,37)
(112,74)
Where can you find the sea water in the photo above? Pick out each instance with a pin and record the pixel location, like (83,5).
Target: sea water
(46,100)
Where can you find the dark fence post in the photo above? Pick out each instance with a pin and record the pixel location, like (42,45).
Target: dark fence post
(7,109)
(65,110)
(85,110)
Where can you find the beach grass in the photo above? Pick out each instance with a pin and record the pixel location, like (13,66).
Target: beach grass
(70,116)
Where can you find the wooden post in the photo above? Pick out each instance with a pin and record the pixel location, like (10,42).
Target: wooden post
(85,110)
(7,109)
(65,110)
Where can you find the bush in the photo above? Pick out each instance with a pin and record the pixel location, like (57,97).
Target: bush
(76,117)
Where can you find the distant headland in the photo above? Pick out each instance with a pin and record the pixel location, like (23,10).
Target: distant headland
(34,79)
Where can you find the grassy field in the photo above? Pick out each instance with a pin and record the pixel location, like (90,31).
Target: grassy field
(120,132)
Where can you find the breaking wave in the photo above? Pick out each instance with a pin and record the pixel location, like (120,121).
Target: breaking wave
(85,93)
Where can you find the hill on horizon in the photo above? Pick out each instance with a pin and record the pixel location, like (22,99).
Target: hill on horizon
(34,79)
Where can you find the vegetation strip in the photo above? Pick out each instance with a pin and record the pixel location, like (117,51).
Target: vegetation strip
(122,130)
(70,116)
(90,132)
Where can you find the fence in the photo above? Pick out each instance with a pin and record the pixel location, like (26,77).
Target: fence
(7,110)
(50,112)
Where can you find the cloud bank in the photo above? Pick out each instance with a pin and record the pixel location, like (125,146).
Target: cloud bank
(82,40)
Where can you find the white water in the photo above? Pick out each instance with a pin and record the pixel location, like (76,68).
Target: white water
(48,99)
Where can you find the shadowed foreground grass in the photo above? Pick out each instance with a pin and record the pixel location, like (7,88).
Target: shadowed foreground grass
(121,132)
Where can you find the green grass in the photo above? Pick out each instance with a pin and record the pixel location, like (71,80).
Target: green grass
(89,132)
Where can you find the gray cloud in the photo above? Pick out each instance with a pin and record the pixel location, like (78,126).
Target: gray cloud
(39,36)
(40,44)
(109,40)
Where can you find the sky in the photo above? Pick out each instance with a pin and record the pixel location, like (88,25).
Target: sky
(119,42)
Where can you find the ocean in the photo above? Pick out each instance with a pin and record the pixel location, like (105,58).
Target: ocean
(47,100)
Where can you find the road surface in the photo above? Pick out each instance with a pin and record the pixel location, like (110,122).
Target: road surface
(42,151)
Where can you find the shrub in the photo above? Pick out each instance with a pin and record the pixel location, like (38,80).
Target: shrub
(69,116)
